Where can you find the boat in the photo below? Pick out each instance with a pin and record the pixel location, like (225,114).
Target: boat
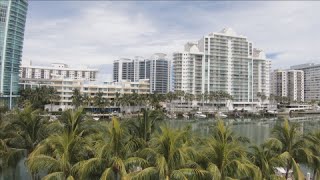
(273,112)
(221,115)
(200,115)
(96,118)
(185,115)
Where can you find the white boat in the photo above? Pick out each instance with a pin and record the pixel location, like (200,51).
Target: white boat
(200,115)
(96,118)
(221,115)
(185,115)
(274,112)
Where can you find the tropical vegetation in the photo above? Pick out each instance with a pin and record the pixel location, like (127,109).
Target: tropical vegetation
(77,147)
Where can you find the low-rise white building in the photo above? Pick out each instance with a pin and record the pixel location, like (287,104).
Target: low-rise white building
(29,72)
(65,89)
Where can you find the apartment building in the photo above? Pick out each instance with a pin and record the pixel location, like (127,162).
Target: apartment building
(223,61)
(13,14)
(156,69)
(311,80)
(288,83)
(29,72)
(65,87)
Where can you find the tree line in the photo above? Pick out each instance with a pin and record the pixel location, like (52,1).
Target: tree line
(77,147)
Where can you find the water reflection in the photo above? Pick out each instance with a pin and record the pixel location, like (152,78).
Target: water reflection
(257,130)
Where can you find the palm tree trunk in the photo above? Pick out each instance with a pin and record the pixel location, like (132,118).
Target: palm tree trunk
(314,174)
(288,169)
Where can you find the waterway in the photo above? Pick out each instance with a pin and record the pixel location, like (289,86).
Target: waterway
(257,130)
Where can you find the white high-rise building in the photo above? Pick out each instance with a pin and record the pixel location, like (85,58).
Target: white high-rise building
(223,61)
(311,80)
(288,83)
(156,69)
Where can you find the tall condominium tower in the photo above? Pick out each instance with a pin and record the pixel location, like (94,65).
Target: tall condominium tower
(311,80)
(12,23)
(223,61)
(156,69)
(288,83)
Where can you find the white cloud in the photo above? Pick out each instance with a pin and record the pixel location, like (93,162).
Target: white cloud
(102,32)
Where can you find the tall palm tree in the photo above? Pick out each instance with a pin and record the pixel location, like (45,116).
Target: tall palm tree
(116,101)
(171,156)
(170,96)
(314,146)
(112,155)
(53,96)
(76,98)
(290,137)
(180,94)
(225,157)
(86,100)
(189,97)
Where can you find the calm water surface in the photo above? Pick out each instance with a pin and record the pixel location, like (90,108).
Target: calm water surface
(257,130)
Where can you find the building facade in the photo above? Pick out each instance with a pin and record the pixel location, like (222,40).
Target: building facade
(288,83)
(12,24)
(28,72)
(311,80)
(65,87)
(223,61)
(156,69)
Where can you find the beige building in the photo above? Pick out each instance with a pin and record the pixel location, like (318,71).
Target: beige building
(65,89)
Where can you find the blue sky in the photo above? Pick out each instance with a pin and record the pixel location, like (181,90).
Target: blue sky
(91,33)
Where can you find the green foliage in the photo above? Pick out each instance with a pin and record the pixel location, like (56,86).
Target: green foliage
(77,98)
(75,147)
(38,97)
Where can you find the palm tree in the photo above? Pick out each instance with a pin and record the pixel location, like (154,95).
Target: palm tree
(170,96)
(261,96)
(99,101)
(267,156)
(225,157)
(53,96)
(290,137)
(112,155)
(76,98)
(189,97)
(58,154)
(171,156)
(26,129)
(314,146)
(9,157)
(116,101)
(144,126)
(86,100)
(180,94)
(155,99)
